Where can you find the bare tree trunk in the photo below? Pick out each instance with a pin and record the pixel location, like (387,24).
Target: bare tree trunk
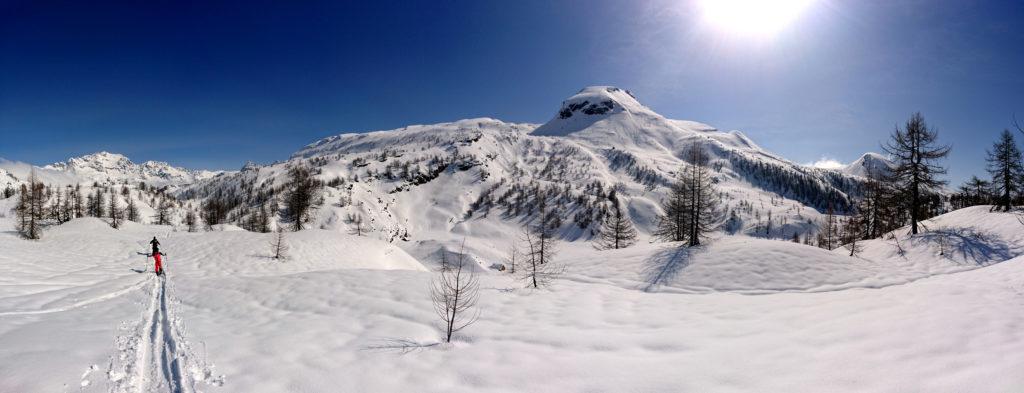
(454,293)
(278,246)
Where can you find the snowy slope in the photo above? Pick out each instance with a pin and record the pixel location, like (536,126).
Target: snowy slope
(432,184)
(960,240)
(349,313)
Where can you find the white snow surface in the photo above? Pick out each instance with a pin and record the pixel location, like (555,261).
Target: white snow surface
(81,309)
(347,313)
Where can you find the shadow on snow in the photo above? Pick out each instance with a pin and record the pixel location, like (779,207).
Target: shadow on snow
(981,247)
(665,265)
(400,345)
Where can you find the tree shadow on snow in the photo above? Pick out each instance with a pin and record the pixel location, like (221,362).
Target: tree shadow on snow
(981,247)
(664,265)
(401,346)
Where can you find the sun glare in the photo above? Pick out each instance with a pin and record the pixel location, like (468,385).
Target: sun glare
(752,17)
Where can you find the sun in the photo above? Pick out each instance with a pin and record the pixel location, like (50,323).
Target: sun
(752,17)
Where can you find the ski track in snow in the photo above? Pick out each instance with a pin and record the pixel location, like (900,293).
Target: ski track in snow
(79,303)
(156,357)
(161,347)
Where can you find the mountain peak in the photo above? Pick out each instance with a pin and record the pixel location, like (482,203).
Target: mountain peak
(590,105)
(868,165)
(110,167)
(100,161)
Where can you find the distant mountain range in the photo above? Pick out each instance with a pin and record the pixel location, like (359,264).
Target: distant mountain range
(479,174)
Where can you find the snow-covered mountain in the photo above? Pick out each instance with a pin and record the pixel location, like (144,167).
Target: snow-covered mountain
(474,176)
(14,173)
(104,167)
(869,164)
(611,320)
(428,182)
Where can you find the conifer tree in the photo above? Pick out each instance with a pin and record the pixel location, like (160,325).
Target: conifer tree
(79,210)
(692,209)
(915,152)
(673,225)
(55,208)
(976,191)
(454,293)
(617,230)
(31,207)
(278,245)
(191,220)
(131,211)
(544,229)
(163,213)
(538,266)
(827,236)
(852,233)
(115,212)
(98,204)
(1006,168)
(356,220)
(300,195)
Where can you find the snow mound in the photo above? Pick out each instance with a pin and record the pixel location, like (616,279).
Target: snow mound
(960,240)
(732,264)
(248,254)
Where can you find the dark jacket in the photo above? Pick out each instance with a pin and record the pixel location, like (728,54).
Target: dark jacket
(156,246)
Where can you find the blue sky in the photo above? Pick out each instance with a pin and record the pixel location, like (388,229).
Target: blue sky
(213,84)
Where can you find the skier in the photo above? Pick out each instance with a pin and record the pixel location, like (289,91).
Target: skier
(156,256)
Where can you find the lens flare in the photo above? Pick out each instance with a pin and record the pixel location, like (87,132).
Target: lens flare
(752,17)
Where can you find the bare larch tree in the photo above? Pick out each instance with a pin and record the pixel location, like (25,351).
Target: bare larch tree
(674,225)
(915,152)
(163,212)
(356,220)
(514,256)
(131,211)
(538,267)
(454,292)
(115,211)
(1006,168)
(705,215)
(692,209)
(30,209)
(300,196)
(191,221)
(278,245)
(617,230)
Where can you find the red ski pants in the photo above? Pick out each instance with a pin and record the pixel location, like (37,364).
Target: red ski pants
(157,258)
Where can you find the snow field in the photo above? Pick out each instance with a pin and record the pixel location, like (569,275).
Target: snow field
(349,313)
